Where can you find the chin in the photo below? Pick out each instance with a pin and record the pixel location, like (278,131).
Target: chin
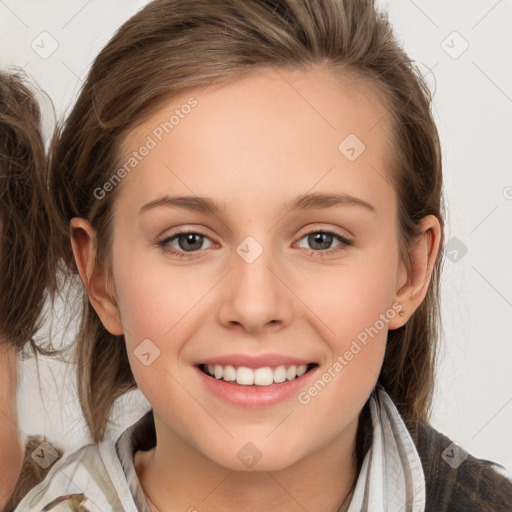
(250,458)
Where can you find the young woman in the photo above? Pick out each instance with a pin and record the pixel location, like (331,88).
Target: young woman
(26,272)
(253,191)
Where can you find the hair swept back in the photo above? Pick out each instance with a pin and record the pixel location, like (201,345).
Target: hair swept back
(27,221)
(172,46)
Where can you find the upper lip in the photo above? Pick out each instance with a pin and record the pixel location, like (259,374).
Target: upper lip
(254,361)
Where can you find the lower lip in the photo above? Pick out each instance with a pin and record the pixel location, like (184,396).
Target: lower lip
(255,396)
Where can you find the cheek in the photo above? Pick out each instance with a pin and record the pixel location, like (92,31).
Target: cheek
(153,315)
(152,297)
(353,305)
(353,310)
(352,297)
(158,306)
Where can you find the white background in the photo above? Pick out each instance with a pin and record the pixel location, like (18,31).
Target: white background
(473,107)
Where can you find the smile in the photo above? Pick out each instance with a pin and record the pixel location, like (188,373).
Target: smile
(264,376)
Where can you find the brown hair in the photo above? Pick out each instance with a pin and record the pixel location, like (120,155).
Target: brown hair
(173,46)
(26,226)
(27,223)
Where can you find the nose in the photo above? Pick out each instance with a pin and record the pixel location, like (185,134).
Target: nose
(255,296)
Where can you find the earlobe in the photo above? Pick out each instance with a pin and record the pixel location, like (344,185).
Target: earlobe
(423,256)
(94,276)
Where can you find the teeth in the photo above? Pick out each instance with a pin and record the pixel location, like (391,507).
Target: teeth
(229,373)
(265,376)
(291,373)
(280,374)
(245,376)
(218,371)
(301,370)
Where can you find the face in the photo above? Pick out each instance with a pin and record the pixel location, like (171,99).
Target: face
(283,260)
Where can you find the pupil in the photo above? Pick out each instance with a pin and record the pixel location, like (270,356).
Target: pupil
(189,239)
(317,238)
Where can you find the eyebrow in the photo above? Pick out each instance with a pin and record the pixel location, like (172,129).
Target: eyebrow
(304,202)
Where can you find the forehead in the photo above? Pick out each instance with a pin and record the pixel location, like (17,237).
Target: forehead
(270,133)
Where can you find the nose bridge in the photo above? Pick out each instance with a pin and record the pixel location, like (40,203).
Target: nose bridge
(256,296)
(254,283)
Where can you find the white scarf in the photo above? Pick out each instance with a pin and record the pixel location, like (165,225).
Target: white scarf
(391,477)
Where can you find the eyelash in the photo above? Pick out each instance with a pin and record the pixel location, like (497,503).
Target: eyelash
(163,244)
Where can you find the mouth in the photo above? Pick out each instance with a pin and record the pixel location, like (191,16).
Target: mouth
(256,377)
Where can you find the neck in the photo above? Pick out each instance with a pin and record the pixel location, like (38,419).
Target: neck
(175,473)
(8,382)
(11,447)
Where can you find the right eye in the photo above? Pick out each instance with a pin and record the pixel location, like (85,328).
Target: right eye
(183,244)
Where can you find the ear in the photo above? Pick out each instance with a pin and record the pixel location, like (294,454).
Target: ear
(94,275)
(413,283)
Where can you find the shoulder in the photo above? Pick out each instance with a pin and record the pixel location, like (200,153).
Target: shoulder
(39,457)
(458,481)
(86,479)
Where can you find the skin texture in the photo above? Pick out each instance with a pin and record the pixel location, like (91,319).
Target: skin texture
(253,145)
(11,446)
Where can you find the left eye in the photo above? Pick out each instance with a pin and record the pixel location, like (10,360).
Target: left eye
(324,239)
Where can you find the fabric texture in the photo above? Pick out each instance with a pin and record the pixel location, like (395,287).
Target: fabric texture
(459,482)
(39,457)
(421,473)
(391,478)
